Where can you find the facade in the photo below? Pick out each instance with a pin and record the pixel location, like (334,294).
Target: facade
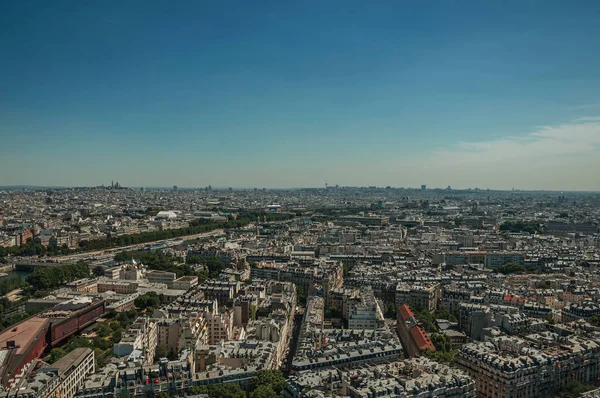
(113,272)
(161,277)
(414,338)
(365,313)
(138,343)
(185,282)
(418,296)
(416,377)
(117,286)
(493,259)
(58,380)
(509,367)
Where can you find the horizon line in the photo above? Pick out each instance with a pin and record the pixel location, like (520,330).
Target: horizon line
(234,188)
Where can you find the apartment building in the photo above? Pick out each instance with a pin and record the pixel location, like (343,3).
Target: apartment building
(58,380)
(509,368)
(418,296)
(138,342)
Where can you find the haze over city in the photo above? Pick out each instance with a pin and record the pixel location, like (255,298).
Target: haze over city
(281,95)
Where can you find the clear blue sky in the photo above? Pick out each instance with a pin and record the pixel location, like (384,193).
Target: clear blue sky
(493,94)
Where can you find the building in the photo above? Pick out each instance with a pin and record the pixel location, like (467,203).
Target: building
(161,277)
(341,348)
(20,345)
(510,367)
(498,259)
(418,296)
(138,342)
(414,338)
(113,272)
(365,313)
(185,282)
(416,377)
(117,286)
(84,286)
(60,379)
(73,368)
(219,326)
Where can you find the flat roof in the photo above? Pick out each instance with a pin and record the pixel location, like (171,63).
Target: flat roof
(187,278)
(74,358)
(24,333)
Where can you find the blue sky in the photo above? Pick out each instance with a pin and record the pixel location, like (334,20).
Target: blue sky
(288,94)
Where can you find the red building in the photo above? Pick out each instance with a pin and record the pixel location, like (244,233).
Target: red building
(22,343)
(414,338)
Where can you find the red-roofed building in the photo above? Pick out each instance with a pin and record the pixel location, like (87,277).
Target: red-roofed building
(20,344)
(421,338)
(405,312)
(514,301)
(414,338)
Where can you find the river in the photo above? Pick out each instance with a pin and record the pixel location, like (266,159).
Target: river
(14,274)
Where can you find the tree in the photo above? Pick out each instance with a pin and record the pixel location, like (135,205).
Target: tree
(595,320)
(333,312)
(264,391)
(573,389)
(161,351)
(510,268)
(98,270)
(147,301)
(219,391)
(56,354)
(51,277)
(271,378)
(390,311)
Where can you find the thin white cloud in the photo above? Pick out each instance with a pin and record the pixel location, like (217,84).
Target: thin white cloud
(588,119)
(566,156)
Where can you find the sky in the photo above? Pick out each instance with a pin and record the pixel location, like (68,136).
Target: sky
(282,94)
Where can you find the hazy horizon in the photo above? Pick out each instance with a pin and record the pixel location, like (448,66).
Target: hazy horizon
(280,95)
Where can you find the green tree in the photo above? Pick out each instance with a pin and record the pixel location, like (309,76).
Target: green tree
(595,320)
(390,311)
(333,312)
(271,378)
(510,268)
(98,270)
(56,354)
(148,300)
(573,389)
(219,391)
(264,391)
(161,352)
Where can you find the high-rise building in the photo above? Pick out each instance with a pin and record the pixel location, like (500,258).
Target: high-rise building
(423,187)
(175,188)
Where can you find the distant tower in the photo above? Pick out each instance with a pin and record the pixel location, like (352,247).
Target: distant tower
(112,184)
(175,188)
(423,187)
(326,186)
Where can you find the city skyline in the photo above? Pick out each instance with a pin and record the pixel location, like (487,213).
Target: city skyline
(286,96)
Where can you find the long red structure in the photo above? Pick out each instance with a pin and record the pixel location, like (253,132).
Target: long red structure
(26,341)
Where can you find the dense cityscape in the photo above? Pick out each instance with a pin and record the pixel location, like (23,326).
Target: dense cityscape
(330,292)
